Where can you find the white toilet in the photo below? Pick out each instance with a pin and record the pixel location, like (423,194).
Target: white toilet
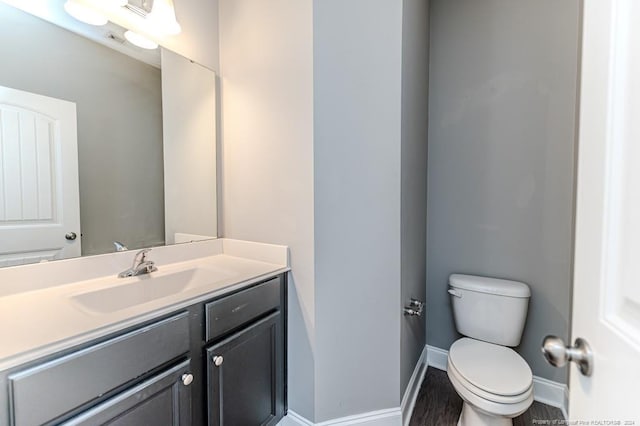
(494,382)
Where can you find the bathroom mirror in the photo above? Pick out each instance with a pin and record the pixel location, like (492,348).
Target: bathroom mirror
(100,141)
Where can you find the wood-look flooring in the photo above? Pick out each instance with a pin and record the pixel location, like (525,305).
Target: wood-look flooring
(438,404)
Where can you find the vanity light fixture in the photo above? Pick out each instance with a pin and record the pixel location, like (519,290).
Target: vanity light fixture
(140,40)
(84,13)
(162,18)
(159,22)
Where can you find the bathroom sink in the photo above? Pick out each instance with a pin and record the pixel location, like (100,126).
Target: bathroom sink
(135,291)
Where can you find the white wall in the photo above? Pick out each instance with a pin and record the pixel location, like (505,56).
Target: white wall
(267,131)
(189,142)
(199,37)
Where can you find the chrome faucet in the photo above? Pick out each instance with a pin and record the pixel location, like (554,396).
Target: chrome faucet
(119,246)
(140,265)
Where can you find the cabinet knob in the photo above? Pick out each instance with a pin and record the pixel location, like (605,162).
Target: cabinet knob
(218,360)
(70,236)
(187,379)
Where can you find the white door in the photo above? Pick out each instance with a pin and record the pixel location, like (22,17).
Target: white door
(606,299)
(39,200)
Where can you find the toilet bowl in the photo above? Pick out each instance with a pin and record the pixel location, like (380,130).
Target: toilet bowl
(494,382)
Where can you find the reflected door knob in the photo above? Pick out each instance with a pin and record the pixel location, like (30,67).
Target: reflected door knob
(218,360)
(187,379)
(70,236)
(557,354)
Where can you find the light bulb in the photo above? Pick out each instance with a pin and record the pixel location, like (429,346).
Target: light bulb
(84,14)
(140,40)
(163,17)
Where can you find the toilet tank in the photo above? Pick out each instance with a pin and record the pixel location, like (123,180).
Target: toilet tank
(489,309)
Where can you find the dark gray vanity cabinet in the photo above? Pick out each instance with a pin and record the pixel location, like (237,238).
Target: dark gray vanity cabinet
(220,361)
(53,391)
(245,359)
(245,375)
(163,399)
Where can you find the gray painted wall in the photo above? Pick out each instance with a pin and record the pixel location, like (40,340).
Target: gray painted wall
(415,95)
(119,125)
(501,147)
(357,127)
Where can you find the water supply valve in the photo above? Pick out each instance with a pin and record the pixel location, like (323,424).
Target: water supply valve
(415,308)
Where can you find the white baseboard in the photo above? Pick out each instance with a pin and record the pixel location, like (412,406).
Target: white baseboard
(390,417)
(546,391)
(294,419)
(551,393)
(413,388)
(437,357)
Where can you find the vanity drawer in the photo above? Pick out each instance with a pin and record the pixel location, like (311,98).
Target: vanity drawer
(49,390)
(230,312)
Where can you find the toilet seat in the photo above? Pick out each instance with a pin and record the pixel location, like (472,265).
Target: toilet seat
(499,399)
(493,369)
(493,378)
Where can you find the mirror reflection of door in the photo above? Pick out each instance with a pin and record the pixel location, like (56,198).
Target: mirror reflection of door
(39,199)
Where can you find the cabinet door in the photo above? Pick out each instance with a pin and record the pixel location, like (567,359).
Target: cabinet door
(164,399)
(87,374)
(246,376)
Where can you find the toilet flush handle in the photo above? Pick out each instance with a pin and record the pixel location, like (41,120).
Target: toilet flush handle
(455,293)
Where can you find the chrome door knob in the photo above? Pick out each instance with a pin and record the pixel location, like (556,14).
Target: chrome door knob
(187,379)
(218,360)
(70,236)
(557,354)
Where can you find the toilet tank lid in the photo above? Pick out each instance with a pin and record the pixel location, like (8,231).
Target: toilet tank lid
(489,285)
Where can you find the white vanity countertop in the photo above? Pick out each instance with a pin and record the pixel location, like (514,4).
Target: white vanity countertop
(44,319)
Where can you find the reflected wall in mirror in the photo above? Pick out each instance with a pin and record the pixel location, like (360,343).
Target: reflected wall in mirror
(100,142)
